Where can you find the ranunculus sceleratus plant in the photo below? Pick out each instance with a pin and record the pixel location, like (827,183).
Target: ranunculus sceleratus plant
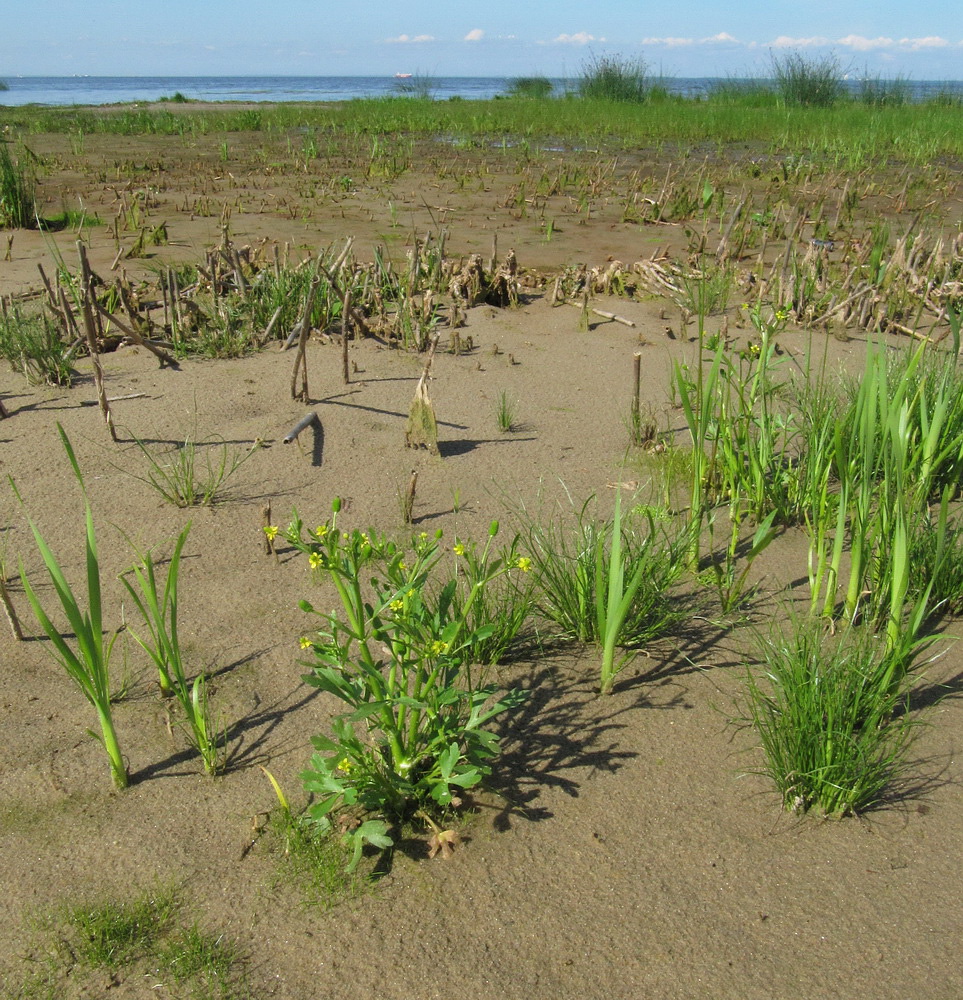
(397,654)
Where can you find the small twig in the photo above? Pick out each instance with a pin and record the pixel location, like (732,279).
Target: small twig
(91,332)
(601,312)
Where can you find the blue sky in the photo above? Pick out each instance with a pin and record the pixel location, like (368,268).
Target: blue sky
(922,40)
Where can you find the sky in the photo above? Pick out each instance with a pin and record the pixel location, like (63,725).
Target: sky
(687,38)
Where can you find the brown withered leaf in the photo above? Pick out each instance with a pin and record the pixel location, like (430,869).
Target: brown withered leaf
(443,842)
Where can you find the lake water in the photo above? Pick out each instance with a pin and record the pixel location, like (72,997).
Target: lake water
(66,90)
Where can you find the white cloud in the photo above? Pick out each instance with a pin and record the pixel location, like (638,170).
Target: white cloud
(930,42)
(404,39)
(722,37)
(786,42)
(475,35)
(861,44)
(669,43)
(579,38)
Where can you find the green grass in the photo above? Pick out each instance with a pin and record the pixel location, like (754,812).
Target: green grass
(914,133)
(140,938)
(314,863)
(530,86)
(113,934)
(810,81)
(604,580)
(831,726)
(33,345)
(193,474)
(615,78)
(506,413)
(18,190)
(81,651)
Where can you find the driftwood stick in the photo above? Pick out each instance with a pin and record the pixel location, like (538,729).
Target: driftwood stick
(306,421)
(90,330)
(601,312)
(269,329)
(137,338)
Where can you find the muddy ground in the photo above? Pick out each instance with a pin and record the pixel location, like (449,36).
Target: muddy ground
(623,849)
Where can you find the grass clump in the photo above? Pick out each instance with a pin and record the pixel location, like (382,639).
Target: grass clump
(18,191)
(815,82)
(113,934)
(31,342)
(420,86)
(828,717)
(506,415)
(530,86)
(134,939)
(615,78)
(605,580)
(880,92)
(195,473)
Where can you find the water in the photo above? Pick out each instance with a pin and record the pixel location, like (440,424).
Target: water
(66,90)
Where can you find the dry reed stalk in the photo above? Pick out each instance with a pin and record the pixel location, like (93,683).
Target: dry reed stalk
(345,330)
(10,610)
(265,525)
(408,500)
(301,361)
(90,329)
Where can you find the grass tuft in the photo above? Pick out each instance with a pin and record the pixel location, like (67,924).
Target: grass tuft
(815,82)
(615,78)
(530,86)
(18,191)
(828,718)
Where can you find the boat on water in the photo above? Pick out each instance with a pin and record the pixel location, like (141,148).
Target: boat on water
(402,76)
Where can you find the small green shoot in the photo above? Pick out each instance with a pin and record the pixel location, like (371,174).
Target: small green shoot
(86,663)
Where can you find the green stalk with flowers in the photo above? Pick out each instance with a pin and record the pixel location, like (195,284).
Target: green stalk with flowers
(397,653)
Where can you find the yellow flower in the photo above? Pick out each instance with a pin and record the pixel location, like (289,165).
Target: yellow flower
(315,560)
(346,765)
(459,549)
(437,648)
(524,564)
(402,565)
(396,605)
(304,642)
(321,530)
(271,530)
(423,535)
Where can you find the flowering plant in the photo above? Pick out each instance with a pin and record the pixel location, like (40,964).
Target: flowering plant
(397,653)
